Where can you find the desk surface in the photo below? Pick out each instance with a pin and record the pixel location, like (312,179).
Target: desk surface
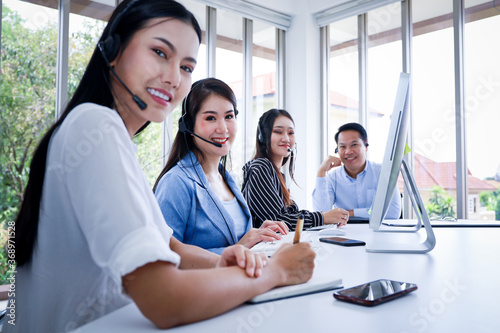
(458,290)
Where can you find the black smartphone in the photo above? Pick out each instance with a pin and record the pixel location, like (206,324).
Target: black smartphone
(375,292)
(342,241)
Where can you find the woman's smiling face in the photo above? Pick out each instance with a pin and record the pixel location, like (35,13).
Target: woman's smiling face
(282,137)
(156,65)
(216,122)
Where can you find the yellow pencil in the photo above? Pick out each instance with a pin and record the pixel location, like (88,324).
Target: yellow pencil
(298,229)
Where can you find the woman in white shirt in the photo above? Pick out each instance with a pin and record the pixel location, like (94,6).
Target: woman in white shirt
(90,236)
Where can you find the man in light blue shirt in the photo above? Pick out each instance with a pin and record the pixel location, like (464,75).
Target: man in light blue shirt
(353,182)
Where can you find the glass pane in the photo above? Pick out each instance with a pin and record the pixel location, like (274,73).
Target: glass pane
(384,64)
(433,106)
(27,94)
(482,98)
(343,77)
(229,67)
(84,32)
(27,104)
(264,76)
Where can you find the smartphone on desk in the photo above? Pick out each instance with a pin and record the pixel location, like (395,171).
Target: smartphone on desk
(375,292)
(342,241)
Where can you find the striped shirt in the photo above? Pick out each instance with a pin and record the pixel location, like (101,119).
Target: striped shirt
(262,191)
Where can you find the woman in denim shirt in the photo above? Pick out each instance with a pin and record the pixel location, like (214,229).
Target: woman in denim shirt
(199,199)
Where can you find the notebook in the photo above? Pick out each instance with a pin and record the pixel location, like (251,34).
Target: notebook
(270,247)
(314,285)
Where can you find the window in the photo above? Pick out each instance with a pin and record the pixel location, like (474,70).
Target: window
(84,32)
(384,64)
(434,105)
(264,67)
(482,98)
(263,76)
(431,60)
(27,103)
(27,94)
(343,76)
(87,22)
(229,68)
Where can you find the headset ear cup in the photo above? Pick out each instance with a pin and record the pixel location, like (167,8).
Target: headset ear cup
(182,125)
(185,124)
(111,46)
(189,124)
(260,138)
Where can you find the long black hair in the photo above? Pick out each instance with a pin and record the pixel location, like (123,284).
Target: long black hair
(133,15)
(183,142)
(263,147)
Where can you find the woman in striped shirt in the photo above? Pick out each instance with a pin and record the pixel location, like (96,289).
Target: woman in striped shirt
(264,186)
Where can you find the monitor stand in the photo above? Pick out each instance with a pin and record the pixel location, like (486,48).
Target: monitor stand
(422,219)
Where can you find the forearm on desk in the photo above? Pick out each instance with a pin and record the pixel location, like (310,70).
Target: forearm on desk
(193,256)
(361,212)
(169,297)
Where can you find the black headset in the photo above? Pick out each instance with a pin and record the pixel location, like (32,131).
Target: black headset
(260,129)
(110,46)
(260,137)
(186,124)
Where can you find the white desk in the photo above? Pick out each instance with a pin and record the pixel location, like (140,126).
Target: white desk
(458,291)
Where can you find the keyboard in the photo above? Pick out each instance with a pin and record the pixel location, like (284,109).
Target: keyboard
(270,247)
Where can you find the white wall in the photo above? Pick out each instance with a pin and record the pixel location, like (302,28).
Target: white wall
(303,88)
(303,100)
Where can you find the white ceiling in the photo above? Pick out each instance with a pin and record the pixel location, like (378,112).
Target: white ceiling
(291,6)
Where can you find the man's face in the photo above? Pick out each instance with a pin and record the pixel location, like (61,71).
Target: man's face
(352,151)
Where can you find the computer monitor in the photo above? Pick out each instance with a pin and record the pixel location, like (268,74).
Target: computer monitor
(391,165)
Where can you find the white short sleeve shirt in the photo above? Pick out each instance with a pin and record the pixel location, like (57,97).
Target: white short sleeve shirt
(99,221)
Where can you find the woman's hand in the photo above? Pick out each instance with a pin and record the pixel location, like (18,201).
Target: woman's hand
(276,226)
(295,263)
(337,215)
(237,255)
(254,236)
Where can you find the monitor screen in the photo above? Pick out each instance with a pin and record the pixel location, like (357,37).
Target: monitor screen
(394,151)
